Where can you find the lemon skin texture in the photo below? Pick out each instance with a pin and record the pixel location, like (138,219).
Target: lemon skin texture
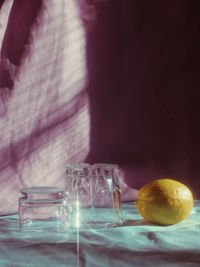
(164,201)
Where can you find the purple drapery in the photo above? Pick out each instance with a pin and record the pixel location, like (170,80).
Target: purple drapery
(144,68)
(133,100)
(44,109)
(44,121)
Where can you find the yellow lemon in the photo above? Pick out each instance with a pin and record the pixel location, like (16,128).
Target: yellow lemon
(164,201)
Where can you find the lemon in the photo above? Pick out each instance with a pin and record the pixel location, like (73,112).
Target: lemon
(164,201)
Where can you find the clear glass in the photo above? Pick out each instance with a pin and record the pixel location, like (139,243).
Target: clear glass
(41,207)
(94,195)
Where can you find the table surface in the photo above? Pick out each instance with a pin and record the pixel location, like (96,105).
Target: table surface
(135,243)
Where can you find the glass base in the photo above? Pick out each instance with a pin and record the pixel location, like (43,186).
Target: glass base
(94,218)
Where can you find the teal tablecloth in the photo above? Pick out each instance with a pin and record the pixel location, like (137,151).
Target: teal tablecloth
(135,243)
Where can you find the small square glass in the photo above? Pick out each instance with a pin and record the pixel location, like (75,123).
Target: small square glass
(43,208)
(94,195)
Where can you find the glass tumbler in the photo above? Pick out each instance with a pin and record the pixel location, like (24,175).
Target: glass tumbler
(43,207)
(93,193)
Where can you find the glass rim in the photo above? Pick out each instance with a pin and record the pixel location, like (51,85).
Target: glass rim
(41,190)
(85,165)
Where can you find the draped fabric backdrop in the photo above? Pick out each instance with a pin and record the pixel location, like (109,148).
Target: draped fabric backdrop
(98,81)
(44,111)
(44,108)
(143,61)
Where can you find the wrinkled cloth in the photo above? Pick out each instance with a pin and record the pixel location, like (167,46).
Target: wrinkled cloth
(134,243)
(44,105)
(44,120)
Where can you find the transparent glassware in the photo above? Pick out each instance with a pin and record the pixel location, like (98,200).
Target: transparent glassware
(94,195)
(43,207)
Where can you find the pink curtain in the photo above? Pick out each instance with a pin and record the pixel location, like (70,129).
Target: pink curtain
(44,108)
(44,121)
